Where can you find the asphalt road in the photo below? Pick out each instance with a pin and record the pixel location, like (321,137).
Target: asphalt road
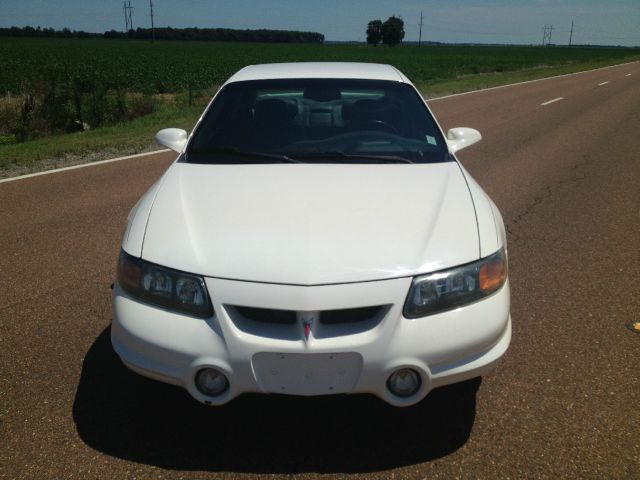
(563,403)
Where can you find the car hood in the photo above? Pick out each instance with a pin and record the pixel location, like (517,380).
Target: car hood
(308,224)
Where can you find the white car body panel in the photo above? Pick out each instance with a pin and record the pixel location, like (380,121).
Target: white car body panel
(371,71)
(490,240)
(447,347)
(312,224)
(137,221)
(309,238)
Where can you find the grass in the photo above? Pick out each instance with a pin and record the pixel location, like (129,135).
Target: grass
(494,79)
(172,67)
(68,149)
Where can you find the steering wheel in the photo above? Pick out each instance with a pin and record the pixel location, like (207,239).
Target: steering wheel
(354,141)
(381,125)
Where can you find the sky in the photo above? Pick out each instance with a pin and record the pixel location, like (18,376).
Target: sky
(603,22)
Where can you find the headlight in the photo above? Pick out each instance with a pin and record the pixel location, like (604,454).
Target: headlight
(164,287)
(449,289)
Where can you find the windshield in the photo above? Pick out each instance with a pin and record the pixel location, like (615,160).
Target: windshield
(317,121)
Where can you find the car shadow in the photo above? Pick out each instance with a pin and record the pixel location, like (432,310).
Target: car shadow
(127,416)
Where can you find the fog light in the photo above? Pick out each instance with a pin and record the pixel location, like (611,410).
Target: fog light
(404,382)
(211,382)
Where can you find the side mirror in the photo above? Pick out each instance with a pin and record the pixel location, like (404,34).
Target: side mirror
(174,138)
(461,137)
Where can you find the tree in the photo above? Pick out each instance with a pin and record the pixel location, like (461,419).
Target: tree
(374,32)
(392,31)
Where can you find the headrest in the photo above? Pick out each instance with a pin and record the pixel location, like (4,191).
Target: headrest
(364,109)
(273,110)
(322,94)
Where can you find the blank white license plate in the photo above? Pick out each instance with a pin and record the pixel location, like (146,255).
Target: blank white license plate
(307,373)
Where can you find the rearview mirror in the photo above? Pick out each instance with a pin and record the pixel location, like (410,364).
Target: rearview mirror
(461,137)
(174,138)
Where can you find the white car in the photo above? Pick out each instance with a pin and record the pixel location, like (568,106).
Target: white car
(316,235)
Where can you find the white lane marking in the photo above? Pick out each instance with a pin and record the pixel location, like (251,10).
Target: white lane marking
(628,75)
(549,102)
(82,165)
(528,81)
(603,83)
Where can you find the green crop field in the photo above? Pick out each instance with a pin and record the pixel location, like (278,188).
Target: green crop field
(67,100)
(163,67)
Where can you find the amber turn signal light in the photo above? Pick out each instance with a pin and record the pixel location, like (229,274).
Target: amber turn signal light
(493,274)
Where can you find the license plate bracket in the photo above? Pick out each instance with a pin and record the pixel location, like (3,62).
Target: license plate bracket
(307,373)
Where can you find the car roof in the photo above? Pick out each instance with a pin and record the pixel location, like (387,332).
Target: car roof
(269,71)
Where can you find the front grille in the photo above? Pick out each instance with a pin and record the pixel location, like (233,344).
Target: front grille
(268,315)
(284,324)
(328,317)
(348,315)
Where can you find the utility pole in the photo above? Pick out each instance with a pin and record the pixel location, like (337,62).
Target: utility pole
(153,31)
(571,34)
(546,35)
(420,37)
(128,22)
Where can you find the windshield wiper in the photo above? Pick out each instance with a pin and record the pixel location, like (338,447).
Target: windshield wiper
(366,158)
(247,153)
(304,157)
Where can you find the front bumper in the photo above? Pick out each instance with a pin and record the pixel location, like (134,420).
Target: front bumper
(444,348)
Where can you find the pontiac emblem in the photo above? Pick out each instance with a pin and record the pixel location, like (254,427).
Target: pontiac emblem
(308,323)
